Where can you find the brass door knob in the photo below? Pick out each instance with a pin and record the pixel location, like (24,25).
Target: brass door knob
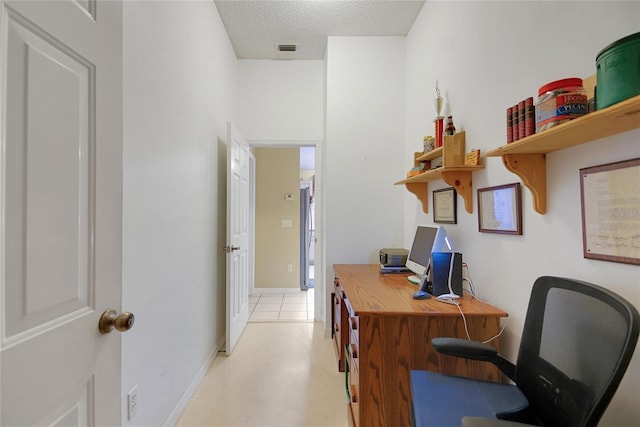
(110,319)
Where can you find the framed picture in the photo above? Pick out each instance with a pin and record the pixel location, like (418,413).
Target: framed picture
(444,206)
(611,211)
(499,209)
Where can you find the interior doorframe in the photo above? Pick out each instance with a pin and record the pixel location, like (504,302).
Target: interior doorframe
(319,306)
(252,220)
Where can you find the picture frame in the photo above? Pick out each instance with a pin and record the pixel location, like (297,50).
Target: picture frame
(445,209)
(500,209)
(611,211)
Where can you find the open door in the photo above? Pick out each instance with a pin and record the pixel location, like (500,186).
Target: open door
(61,209)
(238,248)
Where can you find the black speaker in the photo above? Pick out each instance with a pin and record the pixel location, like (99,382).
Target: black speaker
(441,268)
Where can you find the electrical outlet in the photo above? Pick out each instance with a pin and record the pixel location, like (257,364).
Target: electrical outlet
(290,268)
(286,223)
(132,399)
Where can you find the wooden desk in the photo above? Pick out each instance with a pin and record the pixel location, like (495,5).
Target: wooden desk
(381,333)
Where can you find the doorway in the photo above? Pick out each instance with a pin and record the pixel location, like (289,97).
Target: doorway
(286,227)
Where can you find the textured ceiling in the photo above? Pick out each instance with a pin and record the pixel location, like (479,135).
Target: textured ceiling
(256,27)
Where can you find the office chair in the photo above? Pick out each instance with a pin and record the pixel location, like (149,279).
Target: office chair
(577,341)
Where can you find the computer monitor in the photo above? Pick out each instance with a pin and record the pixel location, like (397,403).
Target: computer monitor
(420,252)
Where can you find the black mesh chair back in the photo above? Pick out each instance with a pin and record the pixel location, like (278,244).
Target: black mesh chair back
(577,342)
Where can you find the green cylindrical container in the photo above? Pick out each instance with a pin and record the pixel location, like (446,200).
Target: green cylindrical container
(618,75)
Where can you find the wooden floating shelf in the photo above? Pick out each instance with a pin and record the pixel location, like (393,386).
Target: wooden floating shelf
(612,120)
(453,172)
(526,157)
(430,155)
(436,174)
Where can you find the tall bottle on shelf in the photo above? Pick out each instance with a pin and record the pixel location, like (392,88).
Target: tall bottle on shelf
(449,129)
(439,120)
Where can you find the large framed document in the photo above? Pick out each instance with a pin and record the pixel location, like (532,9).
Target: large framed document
(610,196)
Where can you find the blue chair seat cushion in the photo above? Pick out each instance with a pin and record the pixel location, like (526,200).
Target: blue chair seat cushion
(442,400)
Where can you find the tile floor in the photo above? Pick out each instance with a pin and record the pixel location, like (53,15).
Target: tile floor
(289,307)
(280,374)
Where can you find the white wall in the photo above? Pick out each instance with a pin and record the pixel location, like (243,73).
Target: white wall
(487,56)
(179,77)
(280,101)
(364,147)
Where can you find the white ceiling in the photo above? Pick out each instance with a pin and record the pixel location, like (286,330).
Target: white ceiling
(255,27)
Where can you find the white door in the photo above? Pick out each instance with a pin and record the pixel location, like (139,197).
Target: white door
(60,201)
(238,235)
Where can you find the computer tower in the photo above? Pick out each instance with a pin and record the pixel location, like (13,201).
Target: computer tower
(440,268)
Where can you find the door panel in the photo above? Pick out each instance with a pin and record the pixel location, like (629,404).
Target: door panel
(61,200)
(48,189)
(78,412)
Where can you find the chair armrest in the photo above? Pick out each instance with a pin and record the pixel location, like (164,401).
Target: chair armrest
(474,350)
(486,422)
(464,348)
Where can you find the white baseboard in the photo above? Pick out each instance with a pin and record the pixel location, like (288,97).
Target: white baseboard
(189,392)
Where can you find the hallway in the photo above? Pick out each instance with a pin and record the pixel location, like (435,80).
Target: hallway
(287,307)
(280,374)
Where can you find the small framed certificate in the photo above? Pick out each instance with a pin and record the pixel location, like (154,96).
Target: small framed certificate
(499,209)
(444,206)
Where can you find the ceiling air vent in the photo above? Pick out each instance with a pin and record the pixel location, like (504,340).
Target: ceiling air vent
(286,47)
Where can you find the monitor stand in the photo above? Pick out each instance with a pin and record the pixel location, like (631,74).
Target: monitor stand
(415,279)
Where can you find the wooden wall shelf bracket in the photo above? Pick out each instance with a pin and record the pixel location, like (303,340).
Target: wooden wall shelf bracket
(421,191)
(462,182)
(532,170)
